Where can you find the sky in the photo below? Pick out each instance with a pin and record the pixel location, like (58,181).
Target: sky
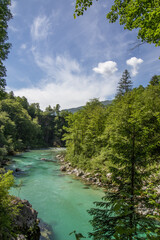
(56,59)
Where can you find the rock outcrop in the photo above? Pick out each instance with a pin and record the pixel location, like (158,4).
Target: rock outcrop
(25,224)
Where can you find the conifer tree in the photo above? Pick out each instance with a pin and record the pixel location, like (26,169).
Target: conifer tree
(132,148)
(125,84)
(155,80)
(82,134)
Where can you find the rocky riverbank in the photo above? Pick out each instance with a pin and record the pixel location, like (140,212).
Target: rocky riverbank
(25,223)
(87,177)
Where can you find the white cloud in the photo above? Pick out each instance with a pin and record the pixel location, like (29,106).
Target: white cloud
(12,28)
(106,68)
(13,8)
(134,63)
(58,66)
(66,83)
(72,92)
(40,28)
(23,46)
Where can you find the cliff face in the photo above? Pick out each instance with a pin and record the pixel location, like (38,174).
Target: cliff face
(25,224)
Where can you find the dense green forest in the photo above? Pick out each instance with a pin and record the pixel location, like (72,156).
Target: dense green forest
(25,126)
(89,130)
(121,142)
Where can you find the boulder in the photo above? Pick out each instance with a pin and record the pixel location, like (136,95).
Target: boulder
(95,180)
(60,157)
(97,175)
(25,222)
(87,174)
(79,173)
(18,170)
(46,231)
(44,159)
(109,175)
(63,168)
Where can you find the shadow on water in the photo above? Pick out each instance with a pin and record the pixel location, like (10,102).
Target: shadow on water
(48,160)
(20,156)
(46,231)
(86,187)
(20,173)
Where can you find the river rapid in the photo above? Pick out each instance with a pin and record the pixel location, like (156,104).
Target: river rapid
(61,200)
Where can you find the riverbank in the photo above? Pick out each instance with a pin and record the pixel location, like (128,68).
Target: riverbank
(87,177)
(25,224)
(60,200)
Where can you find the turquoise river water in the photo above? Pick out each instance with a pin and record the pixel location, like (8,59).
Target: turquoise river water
(61,200)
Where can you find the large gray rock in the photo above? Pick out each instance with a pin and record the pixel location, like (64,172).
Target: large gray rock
(26,222)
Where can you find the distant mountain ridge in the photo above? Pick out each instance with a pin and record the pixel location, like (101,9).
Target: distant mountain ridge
(73,110)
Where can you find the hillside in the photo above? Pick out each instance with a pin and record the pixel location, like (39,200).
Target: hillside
(73,110)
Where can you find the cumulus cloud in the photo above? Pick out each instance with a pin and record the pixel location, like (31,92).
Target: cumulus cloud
(66,83)
(134,63)
(106,68)
(41,28)
(72,92)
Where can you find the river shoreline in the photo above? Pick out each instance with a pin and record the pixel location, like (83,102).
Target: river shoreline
(87,177)
(60,200)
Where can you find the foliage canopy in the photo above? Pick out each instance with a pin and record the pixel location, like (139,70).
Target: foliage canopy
(7,209)
(5,16)
(121,140)
(143,15)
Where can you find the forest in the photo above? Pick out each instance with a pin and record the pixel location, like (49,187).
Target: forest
(25,126)
(120,142)
(120,139)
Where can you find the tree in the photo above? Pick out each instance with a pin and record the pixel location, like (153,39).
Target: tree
(26,132)
(57,109)
(155,80)
(5,16)
(83,132)
(10,95)
(7,135)
(125,84)
(7,209)
(23,101)
(132,148)
(34,110)
(133,14)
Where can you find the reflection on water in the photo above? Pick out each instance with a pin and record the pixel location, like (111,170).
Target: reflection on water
(61,201)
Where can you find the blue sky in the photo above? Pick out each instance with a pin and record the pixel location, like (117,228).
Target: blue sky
(58,59)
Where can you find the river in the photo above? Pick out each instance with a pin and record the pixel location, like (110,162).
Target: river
(61,200)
